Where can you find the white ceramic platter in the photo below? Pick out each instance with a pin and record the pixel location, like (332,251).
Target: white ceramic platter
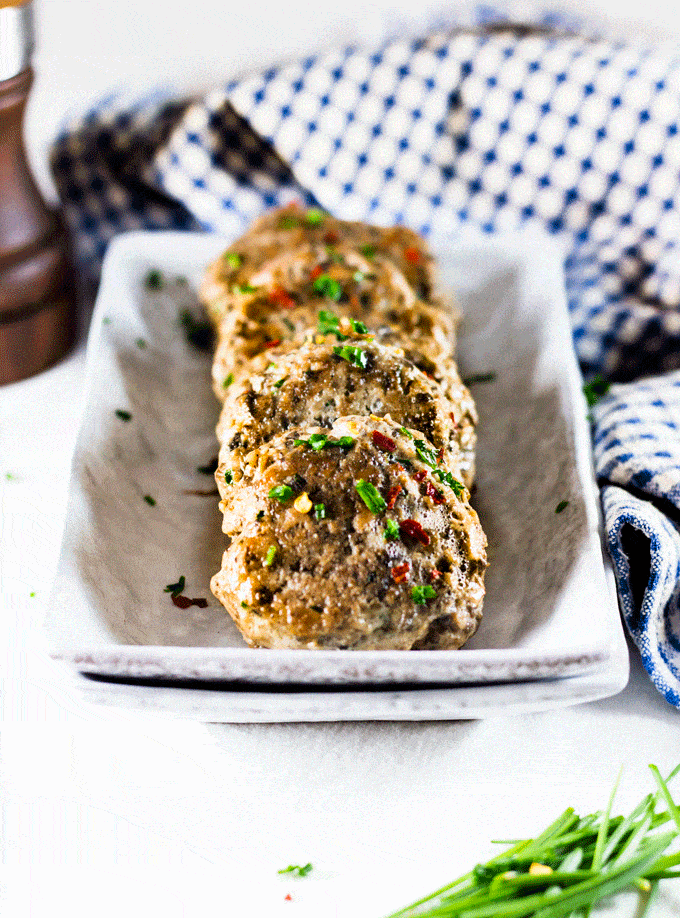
(549,613)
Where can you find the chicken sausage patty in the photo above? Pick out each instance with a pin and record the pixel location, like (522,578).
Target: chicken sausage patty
(283,230)
(319,383)
(365,543)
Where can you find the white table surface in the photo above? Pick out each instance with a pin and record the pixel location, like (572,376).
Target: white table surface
(109,813)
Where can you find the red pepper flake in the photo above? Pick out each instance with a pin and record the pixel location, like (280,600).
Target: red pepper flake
(331,237)
(392,496)
(386,444)
(420,476)
(183,602)
(436,495)
(415,531)
(401,573)
(274,343)
(281,297)
(412,256)
(435,575)
(288,898)
(317,272)
(455,422)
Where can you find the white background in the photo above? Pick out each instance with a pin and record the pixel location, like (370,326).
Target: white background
(114,814)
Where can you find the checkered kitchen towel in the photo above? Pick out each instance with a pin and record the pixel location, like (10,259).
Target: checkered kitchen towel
(491,129)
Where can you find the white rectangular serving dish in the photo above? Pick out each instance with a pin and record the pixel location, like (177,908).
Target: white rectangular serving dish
(548,612)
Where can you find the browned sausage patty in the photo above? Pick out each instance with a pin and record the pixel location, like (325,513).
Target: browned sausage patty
(319,383)
(280,231)
(365,545)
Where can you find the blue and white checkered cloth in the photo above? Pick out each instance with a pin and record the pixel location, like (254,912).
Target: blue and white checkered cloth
(494,129)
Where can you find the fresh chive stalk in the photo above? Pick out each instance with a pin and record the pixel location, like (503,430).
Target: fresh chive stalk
(590,859)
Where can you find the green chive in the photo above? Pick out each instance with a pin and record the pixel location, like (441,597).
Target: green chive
(271,554)
(141,343)
(228,381)
(315,216)
(320,511)
(321,441)
(358,327)
(354,355)
(280,382)
(429,456)
(563,504)
(407,433)
(370,496)
(233,260)
(281,493)
(596,389)
(422,592)
(229,477)
(153,280)
(176,588)
(242,289)
(150,500)
(296,869)
(447,478)
(329,287)
(479,378)
(123,415)
(244,604)
(391,530)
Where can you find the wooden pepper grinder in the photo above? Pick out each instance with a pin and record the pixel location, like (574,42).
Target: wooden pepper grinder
(37,297)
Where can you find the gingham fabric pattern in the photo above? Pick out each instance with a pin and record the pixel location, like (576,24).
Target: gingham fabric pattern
(492,130)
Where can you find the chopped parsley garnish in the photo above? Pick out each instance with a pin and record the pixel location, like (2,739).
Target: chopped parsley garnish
(368,251)
(447,478)
(199,332)
(269,557)
(321,441)
(370,496)
(320,511)
(228,381)
(407,433)
(297,870)
(280,382)
(563,504)
(244,604)
(281,493)
(479,378)
(391,530)
(141,343)
(123,415)
(233,260)
(329,287)
(358,327)
(422,592)
(244,288)
(229,477)
(428,455)
(153,280)
(150,500)
(208,469)
(176,588)
(596,389)
(354,355)
(315,216)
